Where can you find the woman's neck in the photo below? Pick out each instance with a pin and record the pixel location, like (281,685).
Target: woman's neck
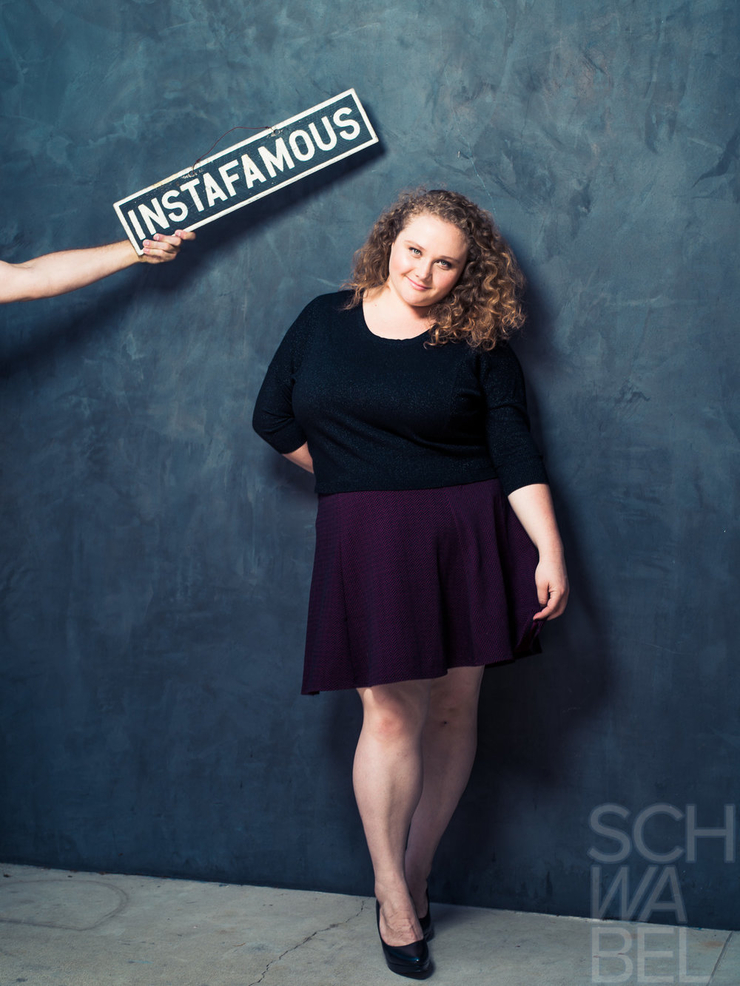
(389,316)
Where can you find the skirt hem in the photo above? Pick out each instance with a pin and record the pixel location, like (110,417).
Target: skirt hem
(407,584)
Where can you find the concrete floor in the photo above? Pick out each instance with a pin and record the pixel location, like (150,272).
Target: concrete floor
(87,929)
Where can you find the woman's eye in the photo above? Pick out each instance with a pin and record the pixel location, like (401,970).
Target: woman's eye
(414,250)
(445,264)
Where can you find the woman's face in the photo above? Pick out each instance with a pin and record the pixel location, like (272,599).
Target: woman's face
(426,261)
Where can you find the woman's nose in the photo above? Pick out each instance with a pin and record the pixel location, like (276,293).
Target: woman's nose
(424,270)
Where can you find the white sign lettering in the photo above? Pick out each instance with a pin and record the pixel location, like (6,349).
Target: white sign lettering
(249,170)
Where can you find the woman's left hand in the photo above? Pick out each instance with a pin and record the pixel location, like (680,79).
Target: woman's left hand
(533,506)
(551,580)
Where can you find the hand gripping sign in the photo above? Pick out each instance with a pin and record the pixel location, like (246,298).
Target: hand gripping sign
(248,171)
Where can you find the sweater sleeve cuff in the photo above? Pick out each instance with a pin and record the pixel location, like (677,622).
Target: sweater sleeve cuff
(289,439)
(525,473)
(280,430)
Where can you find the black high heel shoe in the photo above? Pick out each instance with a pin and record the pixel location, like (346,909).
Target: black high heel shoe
(413,961)
(427,928)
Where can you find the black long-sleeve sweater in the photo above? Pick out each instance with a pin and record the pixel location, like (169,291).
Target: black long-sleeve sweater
(394,414)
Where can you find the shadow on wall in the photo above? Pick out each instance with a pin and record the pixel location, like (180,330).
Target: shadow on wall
(530,710)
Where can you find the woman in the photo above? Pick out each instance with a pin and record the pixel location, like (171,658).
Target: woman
(404,399)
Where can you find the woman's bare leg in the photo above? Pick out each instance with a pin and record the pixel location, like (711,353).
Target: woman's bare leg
(388,784)
(449,742)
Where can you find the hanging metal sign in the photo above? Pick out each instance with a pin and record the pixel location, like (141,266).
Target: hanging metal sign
(249,170)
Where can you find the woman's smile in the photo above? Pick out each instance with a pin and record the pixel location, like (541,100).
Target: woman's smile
(426,261)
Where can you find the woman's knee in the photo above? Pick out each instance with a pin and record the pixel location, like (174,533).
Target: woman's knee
(392,712)
(454,700)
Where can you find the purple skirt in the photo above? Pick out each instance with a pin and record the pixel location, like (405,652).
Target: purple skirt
(409,583)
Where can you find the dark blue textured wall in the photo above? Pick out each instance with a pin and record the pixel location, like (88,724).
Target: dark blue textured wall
(156,556)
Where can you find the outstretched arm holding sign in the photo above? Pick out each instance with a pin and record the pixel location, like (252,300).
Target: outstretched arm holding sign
(67,270)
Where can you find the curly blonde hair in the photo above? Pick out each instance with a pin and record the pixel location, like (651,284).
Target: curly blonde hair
(484,307)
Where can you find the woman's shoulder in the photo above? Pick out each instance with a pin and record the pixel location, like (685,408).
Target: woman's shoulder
(498,368)
(332,303)
(323,308)
(500,355)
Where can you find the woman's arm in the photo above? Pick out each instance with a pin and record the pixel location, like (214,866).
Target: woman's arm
(67,270)
(533,506)
(301,457)
(273,418)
